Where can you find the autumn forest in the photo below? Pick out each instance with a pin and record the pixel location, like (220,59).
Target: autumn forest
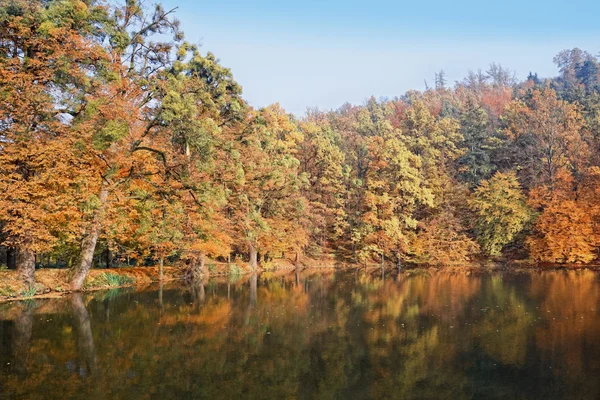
(120,140)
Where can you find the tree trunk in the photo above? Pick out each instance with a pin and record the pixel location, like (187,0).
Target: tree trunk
(399,263)
(161,263)
(25,260)
(195,272)
(297,260)
(253,257)
(160,297)
(88,246)
(11,258)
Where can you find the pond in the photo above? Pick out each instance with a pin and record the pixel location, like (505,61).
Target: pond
(344,335)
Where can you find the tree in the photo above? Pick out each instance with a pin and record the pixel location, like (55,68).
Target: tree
(440,80)
(568,62)
(322,162)
(443,240)
(47,54)
(436,142)
(566,230)
(475,80)
(587,74)
(201,108)
(116,127)
(501,76)
(476,164)
(533,78)
(393,190)
(547,136)
(267,208)
(501,210)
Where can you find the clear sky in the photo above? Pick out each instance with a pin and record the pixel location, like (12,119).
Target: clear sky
(324,53)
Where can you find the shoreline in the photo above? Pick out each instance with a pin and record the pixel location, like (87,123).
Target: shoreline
(50,282)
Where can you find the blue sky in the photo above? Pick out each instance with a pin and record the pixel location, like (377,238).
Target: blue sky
(324,53)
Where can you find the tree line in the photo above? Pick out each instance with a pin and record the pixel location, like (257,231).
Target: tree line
(119,137)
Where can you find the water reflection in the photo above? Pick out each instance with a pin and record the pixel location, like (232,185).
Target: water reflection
(21,335)
(83,331)
(307,335)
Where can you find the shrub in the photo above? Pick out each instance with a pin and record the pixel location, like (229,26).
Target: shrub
(30,292)
(212,268)
(268,266)
(235,270)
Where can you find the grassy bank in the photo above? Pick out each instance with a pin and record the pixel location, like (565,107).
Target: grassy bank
(54,282)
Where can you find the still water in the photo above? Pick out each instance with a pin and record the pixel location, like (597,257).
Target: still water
(345,335)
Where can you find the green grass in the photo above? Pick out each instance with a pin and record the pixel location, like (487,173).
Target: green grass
(109,279)
(29,292)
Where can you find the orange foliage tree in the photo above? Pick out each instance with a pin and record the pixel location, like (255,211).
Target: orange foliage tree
(567,229)
(46,57)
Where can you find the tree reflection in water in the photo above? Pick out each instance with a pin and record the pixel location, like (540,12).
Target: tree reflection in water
(83,332)
(308,335)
